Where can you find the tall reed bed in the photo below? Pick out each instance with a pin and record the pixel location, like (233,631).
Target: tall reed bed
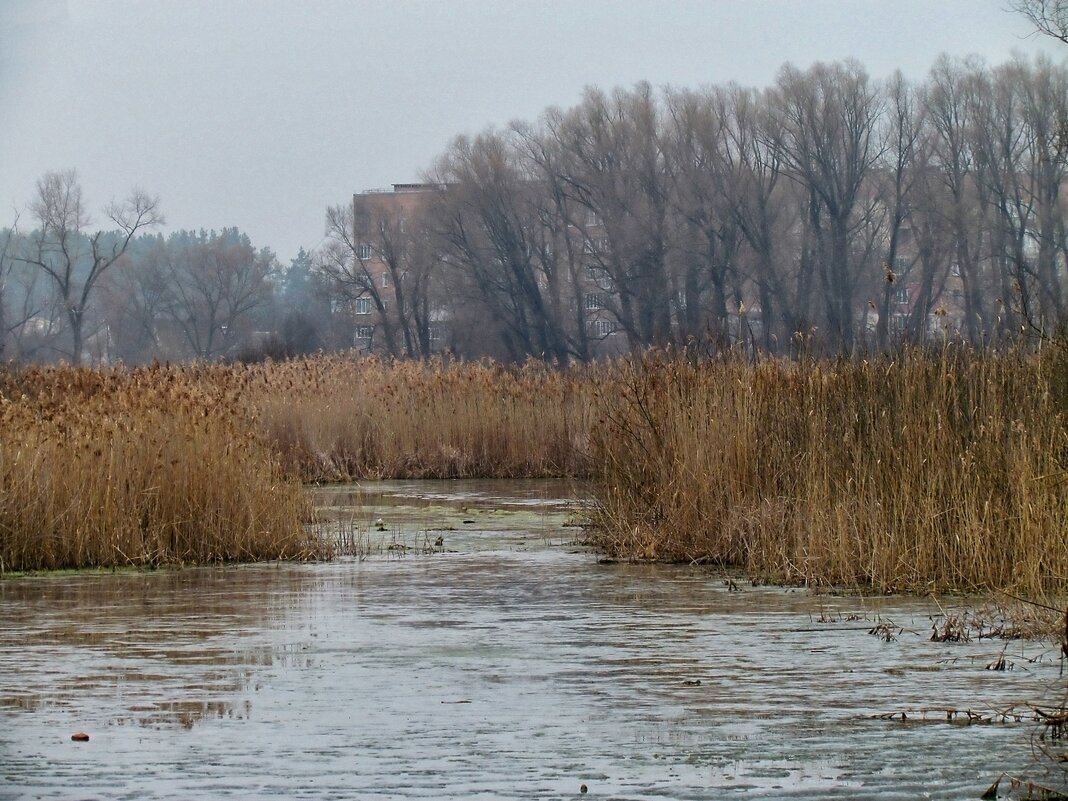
(918,471)
(104,468)
(335,418)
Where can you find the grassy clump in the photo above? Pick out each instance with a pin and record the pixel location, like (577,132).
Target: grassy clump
(150,466)
(335,418)
(917,471)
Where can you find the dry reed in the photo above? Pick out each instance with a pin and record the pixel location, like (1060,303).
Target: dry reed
(915,472)
(104,468)
(337,418)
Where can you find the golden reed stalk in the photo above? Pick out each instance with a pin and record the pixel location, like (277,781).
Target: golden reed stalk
(336,418)
(150,466)
(917,471)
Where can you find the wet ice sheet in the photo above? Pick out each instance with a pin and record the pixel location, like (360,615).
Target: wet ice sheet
(493,672)
(398,517)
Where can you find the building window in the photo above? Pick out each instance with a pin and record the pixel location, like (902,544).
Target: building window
(434,332)
(364,332)
(597,244)
(363,251)
(385,280)
(362,306)
(602,328)
(600,277)
(901,296)
(593,301)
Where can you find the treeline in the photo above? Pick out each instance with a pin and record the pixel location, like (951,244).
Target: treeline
(830,206)
(830,210)
(70,294)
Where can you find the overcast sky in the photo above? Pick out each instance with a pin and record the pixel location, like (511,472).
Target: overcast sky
(260,114)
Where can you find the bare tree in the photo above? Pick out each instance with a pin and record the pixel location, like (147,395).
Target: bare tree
(707,233)
(491,225)
(75,260)
(1043,89)
(351,261)
(954,98)
(618,171)
(215,282)
(828,117)
(761,204)
(903,164)
(5,272)
(136,298)
(1050,17)
(563,255)
(384,254)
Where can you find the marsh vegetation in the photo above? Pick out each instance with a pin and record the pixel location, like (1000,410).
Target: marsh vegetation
(141,467)
(921,470)
(917,471)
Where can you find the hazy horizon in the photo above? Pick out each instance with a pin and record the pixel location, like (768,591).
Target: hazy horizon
(260,115)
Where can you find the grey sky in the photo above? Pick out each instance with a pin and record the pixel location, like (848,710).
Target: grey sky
(261,114)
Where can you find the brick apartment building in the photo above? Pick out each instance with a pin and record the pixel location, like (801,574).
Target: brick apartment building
(385,222)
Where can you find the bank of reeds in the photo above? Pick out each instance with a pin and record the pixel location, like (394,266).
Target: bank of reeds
(337,418)
(203,463)
(150,466)
(918,471)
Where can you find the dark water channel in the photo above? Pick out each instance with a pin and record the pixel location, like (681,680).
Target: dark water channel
(504,663)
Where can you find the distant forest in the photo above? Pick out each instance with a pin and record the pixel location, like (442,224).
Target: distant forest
(829,211)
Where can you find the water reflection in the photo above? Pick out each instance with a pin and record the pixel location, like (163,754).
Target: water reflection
(493,668)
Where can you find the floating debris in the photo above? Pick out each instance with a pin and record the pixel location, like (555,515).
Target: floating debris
(1027,789)
(1055,720)
(885,631)
(1001,663)
(954,629)
(963,717)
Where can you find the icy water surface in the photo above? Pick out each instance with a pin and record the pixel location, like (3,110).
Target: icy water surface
(504,663)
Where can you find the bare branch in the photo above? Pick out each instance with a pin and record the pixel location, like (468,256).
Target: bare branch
(1050,17)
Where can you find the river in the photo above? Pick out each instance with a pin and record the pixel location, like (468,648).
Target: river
(503,661)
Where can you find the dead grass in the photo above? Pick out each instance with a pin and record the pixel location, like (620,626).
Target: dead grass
(338,418)
(916,472)
(921,472)
(203,463)
(152,466)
